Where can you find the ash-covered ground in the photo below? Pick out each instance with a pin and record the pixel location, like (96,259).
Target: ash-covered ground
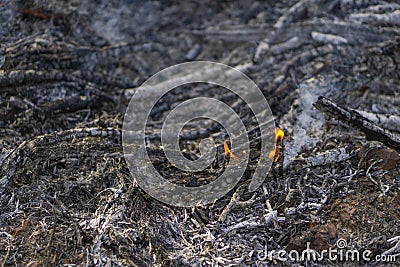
(69,68)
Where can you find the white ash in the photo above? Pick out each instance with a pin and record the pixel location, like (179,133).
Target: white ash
(302,122)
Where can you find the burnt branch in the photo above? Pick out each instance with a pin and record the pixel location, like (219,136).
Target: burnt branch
(350,116)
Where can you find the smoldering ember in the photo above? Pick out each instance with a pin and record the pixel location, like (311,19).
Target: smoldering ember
(329,70)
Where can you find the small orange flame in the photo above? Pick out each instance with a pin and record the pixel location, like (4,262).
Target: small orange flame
(279,134)
(228,152)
